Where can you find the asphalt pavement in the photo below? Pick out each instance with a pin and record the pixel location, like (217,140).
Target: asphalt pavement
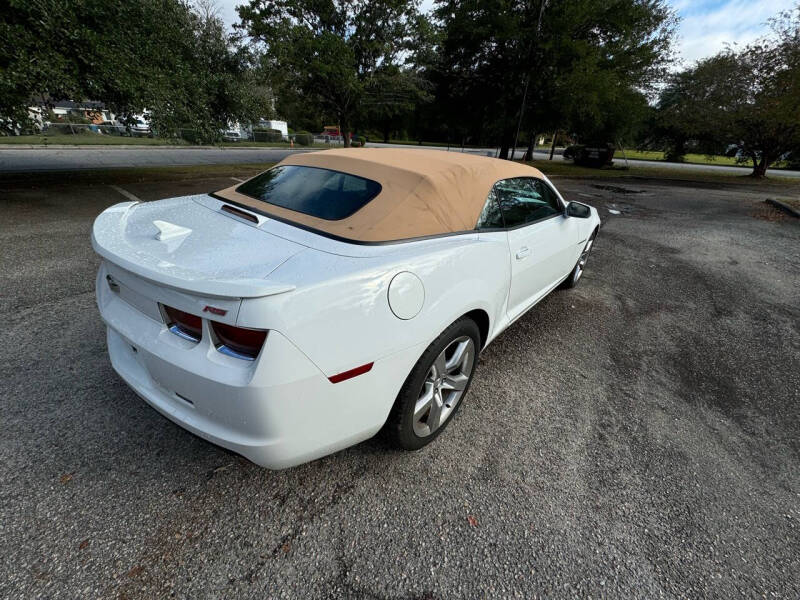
(70,158)
(637,437)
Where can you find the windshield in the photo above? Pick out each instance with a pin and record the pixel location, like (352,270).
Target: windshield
(313,191)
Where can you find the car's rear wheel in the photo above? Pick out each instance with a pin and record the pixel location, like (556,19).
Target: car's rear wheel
(577,271)
(436,386)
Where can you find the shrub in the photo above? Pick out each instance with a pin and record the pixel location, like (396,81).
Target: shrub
(262,134)
(374,135)
(67,129)
(362,140)
(190,135)
(303,138)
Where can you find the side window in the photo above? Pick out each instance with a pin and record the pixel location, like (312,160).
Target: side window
(491,217)
(549,195)
(525,200)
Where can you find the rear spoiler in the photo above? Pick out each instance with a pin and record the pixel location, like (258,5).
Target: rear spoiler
(221,288)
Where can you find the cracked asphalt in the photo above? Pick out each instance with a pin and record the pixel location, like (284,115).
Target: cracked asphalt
(636,437)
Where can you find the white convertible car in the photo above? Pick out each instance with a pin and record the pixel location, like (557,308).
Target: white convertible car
(339,292)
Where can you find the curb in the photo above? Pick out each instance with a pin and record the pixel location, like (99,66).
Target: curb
(783,206)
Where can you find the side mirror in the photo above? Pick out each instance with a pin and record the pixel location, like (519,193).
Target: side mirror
(576,209)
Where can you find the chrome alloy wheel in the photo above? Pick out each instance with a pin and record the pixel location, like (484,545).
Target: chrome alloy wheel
(444,386)
(582,260)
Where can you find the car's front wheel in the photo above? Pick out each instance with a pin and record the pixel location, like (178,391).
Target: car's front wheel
(436,386)
(577,271)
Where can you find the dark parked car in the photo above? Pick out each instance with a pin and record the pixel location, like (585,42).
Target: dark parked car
(591,155)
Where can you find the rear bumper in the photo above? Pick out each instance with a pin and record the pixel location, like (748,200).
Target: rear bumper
(277,411)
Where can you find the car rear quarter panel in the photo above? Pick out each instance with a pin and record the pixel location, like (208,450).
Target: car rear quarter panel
(339,313)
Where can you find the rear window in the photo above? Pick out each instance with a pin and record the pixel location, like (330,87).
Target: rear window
(313,191)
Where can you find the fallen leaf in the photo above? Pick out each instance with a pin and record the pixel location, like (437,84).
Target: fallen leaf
(286,547)
(83,545)
(66,477)
(135,571)
(472,520)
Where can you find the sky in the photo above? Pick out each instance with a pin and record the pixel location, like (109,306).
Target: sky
(705,27)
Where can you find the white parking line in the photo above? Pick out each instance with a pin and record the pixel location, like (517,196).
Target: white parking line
(125,193)
(237,179)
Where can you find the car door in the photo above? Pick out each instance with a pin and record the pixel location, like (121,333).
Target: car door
(540,238)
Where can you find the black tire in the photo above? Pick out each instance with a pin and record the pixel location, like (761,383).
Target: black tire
(400,426)
(575,275)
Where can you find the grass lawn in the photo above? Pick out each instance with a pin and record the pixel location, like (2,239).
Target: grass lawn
(567,169)
(249,144)
(520,148)
(699,159)
(94,139)
(87,139)
(416,143)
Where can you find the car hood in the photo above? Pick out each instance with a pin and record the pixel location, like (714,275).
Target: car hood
(187,245)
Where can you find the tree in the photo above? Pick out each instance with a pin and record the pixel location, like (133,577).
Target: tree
(667,120)
(390,95)
(547,64)
(478,76)
(329,53)
(744,100)
(158,55)
(394,93)
(606,59)
(213,82)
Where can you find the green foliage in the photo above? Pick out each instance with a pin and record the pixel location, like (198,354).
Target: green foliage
(157,55)
(263,134)
(362,140)
(578,65)
(745,102)
(474,72)
(191,135)
(303,138)
(325,57)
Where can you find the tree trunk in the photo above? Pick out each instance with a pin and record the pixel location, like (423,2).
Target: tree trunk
(344,129)
(760,167)
(531,146)
(505,144)
(387,130)
(676,152)
(553,145)
(504,147)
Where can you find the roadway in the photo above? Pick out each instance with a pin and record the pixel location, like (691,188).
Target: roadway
(70,158)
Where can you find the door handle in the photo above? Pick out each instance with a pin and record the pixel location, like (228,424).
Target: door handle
(523,252)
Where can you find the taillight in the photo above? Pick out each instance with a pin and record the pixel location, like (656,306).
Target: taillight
(239,341)
(187,326)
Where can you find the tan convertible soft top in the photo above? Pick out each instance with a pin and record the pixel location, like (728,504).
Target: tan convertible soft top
(425,192)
